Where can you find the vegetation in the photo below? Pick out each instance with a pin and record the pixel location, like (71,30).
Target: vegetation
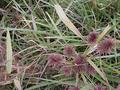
(59,45)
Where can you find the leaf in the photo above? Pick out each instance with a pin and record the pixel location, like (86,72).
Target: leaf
(54,25)
(17,84)
(42,84)
(34,23)
(47,82)
(99,72)
(103,33)
(94,3)
(87,87)
(67,21)
(8,53)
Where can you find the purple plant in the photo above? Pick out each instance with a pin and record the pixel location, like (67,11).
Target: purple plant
(100,87)
(105,46)
(92,37)
(79,69)
(55,59)
(69,51)
(1,48)
(80,59)
(90,70)
(118,87)
(67,70)
(80,64)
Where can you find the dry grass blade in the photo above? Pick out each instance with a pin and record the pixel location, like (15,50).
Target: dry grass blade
(66,20)
(103,33)
(99,72)
(94,2)
(34,23)
(91,49)
(8,53)
(97,69)
(1,10)
(17,83)
(118,41)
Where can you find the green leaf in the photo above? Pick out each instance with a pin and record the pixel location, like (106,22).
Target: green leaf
(47,82)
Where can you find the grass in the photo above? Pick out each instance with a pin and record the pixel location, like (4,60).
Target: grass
(38,29)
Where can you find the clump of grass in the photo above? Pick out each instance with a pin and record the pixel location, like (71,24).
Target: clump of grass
(83,52)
